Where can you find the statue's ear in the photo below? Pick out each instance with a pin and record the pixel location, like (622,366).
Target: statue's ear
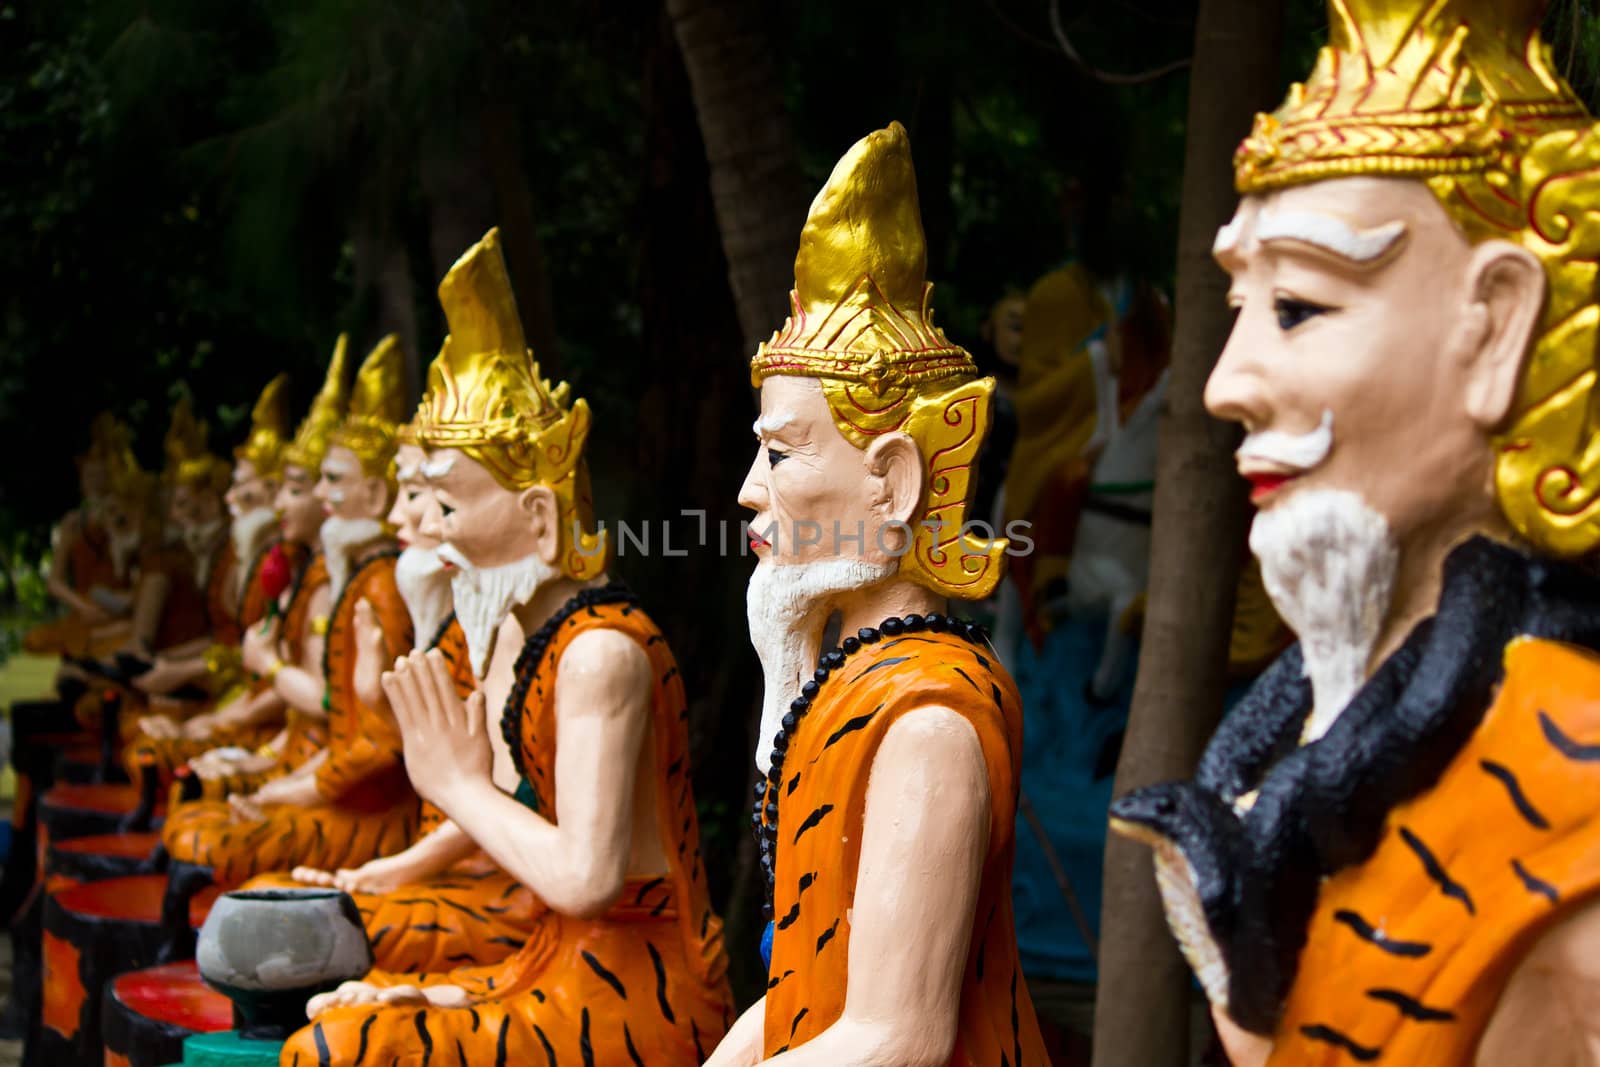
(895,465)
(375,491)
(1506,287)
(538,503)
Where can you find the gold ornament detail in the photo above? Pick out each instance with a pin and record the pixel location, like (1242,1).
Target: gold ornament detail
(1462,94)
(1413,87)
(109,439)
(861,323)
(269,427)
(310,442)
(189,461)
(377,404)
(485,397)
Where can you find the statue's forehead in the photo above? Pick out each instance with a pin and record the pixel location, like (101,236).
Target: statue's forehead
(1357,222)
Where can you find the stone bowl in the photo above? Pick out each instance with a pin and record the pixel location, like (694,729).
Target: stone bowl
(271,950)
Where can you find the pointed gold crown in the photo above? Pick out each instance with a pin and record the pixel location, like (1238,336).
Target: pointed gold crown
(377,404)
(485,397)
(1462,94)
(861,323)
(109,439)
(269,426)
(186,436)
(188,459)
(128,481)
(860,311)
(1412,88)
(310,442)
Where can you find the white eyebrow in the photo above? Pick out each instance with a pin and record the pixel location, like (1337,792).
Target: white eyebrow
(1330,234)
(1228,236)
(407,474)
(437,468)
(766,424)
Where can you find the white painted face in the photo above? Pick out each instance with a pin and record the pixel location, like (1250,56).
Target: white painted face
(807,481)
(346,491)
(1354,363)
(410,501)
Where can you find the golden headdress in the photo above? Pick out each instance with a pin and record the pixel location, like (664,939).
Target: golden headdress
(310,442)
(484,396)
(377,404)
(109,438)
(861,323)
(188,459)
(129,482)
(1462,94)
(269,426)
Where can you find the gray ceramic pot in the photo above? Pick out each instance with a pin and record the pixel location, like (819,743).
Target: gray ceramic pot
(271,950)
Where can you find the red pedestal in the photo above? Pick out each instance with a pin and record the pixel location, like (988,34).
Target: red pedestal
(92,933)
(148,1014)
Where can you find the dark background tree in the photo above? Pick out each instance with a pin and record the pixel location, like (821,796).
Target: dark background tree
(1143,1003)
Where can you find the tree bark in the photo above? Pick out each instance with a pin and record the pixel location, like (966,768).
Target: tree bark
(755,179)
(383,284)
(692,450)
(519,233)
(1142,1006)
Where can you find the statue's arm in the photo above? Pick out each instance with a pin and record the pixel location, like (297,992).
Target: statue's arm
(578,864)
(742,1045)
(1549,1011)
(923,842)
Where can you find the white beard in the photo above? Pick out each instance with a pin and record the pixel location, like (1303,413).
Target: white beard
(250,532)
(1328,562)
(425,587)
(339,536)
(203,543)
(124,549)
(484,596)
(787,606)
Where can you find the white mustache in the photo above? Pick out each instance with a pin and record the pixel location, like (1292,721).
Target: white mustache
(1301,451)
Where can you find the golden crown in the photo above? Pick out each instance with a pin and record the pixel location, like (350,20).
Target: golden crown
(186,436)
(485,397)
(859,310)
(1413,88)
(310,442)
(109,438)
(377,404)
(269,426)
(1462,94)
(189,461)
(861,324)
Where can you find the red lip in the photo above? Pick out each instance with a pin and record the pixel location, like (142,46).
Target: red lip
(1263,484)
(757,541)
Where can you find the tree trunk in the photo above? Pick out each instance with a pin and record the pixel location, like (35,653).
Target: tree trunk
(383,284)
(691,452)
(519,234)
(1142,1007)
(755,180)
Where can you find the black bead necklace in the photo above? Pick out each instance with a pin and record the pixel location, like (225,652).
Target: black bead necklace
(764,815)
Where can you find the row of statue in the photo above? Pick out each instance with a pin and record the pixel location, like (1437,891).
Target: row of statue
(422,687)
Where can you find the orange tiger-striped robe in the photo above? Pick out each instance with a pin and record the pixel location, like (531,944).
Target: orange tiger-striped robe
(369,809)
(1404,965)
(643,983)
(821,810)
(472,914)
(307,733)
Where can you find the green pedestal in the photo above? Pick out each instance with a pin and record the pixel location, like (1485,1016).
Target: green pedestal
(228,1049)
